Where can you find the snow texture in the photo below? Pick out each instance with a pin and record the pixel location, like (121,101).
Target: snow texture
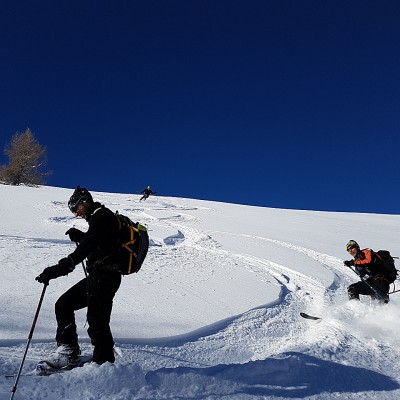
(214,312)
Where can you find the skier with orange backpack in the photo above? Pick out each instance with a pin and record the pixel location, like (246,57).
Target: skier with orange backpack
(374,270)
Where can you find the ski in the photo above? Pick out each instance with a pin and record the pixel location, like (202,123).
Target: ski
(43,368)
(27,374)
(307,316)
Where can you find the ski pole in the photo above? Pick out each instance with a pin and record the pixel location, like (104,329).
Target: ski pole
(29,340)
(83,265)
(84,269)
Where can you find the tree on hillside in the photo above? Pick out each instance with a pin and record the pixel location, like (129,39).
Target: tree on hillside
(26,161)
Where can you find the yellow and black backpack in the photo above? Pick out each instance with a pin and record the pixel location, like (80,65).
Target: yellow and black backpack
(132,245)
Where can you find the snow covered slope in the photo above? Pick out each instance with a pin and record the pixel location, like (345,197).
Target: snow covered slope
(214,312)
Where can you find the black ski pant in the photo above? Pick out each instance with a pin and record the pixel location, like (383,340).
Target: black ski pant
(96,292)
(363,288)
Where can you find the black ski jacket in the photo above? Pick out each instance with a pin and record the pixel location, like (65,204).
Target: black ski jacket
(147,192)
(101,238)
(367,262)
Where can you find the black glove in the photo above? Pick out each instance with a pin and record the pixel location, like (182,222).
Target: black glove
(48,274)
(64,267)
(348,263)
(75,234)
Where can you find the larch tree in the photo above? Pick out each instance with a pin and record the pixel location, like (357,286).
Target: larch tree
(27,159)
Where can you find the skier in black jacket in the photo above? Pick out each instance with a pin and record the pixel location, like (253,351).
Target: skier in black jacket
(96,291)
(146,193)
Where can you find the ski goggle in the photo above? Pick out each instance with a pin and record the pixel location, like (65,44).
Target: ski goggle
(81,195)
(73,203)
(72,207)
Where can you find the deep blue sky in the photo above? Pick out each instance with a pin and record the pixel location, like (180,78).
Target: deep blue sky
(288,104)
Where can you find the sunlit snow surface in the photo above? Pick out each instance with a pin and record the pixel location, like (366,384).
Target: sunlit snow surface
(214,312)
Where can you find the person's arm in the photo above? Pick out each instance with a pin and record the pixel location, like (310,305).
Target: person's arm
(99,227)
(364,258)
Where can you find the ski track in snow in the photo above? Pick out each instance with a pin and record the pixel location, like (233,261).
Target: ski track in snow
(267,351)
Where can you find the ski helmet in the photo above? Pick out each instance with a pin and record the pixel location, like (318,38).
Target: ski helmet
(80,195)
(351,244)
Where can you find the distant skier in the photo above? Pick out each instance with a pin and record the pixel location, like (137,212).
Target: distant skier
(147,192)
(371,268)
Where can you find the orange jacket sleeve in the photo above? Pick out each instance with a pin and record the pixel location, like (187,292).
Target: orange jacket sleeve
(366,258)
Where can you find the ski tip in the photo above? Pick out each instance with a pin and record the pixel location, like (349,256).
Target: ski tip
(307,316)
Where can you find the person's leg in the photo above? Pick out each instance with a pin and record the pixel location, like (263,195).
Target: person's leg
(358,288)
(382,285)
(67,353)
(73,299)
(102,286)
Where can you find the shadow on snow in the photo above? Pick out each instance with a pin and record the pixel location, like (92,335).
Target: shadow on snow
(292,375)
